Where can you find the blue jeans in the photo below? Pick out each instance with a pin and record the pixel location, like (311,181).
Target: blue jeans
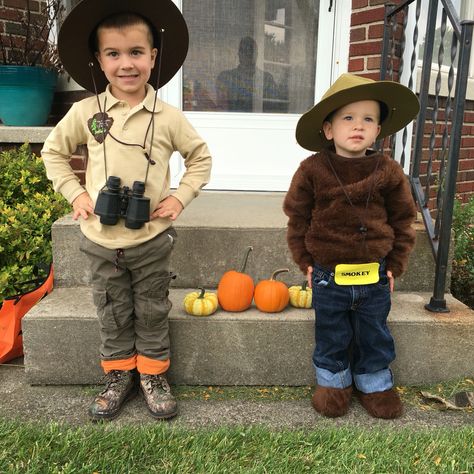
(352,316)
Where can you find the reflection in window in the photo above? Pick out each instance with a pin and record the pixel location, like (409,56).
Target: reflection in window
(235,88)
(250,56)
(460,7)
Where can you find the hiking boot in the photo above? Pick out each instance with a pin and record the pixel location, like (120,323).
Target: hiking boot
(386,404)
(158,397)
(120,386)
(332,402)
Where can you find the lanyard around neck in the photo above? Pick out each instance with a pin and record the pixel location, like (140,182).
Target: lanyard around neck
(151,123)
(363,227)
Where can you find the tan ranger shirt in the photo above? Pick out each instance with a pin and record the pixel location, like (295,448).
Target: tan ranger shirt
(172,132)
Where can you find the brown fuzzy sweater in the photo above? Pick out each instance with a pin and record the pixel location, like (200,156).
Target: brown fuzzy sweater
(323,227)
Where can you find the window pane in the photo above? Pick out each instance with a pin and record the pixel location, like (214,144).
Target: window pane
(437,38)
(250,56)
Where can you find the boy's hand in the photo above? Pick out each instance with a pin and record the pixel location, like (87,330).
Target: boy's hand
(83,206)
(309,277)
(169,207)
(391,280)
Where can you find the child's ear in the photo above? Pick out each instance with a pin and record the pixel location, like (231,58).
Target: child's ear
(97,56)
(327,129)
(154,53)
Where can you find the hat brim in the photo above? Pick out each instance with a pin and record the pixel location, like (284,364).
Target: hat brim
(74,38)
(402,107)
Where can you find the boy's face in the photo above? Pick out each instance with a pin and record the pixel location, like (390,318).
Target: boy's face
(354,128)
(126,57)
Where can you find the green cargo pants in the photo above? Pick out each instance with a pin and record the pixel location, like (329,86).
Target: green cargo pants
(130,290)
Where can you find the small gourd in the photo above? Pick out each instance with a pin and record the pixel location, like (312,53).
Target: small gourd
(271,296)
(301,296)
(200,303)
(235,289)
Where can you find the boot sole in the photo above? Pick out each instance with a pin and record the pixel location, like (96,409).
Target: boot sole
(163,417)
(111,416)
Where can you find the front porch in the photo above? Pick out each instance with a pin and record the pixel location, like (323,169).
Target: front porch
(250,348)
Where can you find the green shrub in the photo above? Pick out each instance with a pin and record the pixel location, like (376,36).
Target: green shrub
(462,277)
(28,208)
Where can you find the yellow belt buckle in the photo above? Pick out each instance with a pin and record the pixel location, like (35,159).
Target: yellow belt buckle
(357,273)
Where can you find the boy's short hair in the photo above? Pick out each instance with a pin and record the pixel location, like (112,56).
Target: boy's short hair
(383,114)
(119,21)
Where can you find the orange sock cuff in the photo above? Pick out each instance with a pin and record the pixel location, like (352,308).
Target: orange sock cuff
(148,366)
(119,364)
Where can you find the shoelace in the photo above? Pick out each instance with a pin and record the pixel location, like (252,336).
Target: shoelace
(152,381)
(112,379)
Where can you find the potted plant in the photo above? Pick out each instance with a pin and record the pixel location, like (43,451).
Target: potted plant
(28,208)
(29,63)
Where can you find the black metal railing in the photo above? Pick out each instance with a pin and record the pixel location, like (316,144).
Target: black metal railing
(441,115)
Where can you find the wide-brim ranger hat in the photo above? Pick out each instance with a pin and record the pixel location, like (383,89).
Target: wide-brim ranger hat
(75,40)
(401,103)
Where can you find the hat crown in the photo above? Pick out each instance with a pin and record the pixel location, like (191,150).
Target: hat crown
(346,81)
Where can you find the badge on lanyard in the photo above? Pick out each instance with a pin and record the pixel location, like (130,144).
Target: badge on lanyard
(357,273)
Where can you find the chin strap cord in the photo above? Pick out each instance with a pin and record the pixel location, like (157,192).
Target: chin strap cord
(151,123)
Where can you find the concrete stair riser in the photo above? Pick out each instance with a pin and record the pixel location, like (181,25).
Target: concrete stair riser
(61,341)
(202,254)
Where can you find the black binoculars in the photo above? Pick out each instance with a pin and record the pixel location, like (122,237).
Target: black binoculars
(114,202)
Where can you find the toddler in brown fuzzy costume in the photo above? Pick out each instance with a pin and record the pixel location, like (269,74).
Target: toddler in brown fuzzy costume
(350,231)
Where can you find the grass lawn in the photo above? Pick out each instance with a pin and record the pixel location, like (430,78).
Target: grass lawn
(103,448)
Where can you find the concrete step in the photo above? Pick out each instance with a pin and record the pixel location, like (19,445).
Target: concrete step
(214,231)
(61,342)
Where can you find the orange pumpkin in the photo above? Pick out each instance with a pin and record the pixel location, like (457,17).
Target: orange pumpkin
(235,289)
(271,296)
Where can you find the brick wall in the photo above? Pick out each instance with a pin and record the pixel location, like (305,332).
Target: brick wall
(367,22)
(12,26)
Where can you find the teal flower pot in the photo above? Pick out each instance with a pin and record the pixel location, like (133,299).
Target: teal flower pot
(26,95)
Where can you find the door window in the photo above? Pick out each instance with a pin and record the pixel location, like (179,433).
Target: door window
(250,56)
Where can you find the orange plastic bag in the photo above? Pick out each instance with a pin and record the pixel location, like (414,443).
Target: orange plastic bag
(11,312)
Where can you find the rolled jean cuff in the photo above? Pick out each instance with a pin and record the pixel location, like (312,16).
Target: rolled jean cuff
(374,382)
(326,378)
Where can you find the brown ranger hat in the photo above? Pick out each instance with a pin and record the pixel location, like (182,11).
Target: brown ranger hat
(402,107)
(75,39)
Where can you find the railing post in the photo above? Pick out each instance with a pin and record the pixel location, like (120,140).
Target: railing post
(421,119)
(424,87)
(438,302)
(386,39)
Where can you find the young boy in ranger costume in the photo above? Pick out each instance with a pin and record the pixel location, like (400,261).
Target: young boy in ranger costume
(350,231)
(121,50)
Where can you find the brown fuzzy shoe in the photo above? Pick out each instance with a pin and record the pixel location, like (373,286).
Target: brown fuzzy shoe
(158,397)
(332,402)
(120,386)
(385,404)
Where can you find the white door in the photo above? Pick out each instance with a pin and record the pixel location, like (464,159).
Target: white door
(253,67)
